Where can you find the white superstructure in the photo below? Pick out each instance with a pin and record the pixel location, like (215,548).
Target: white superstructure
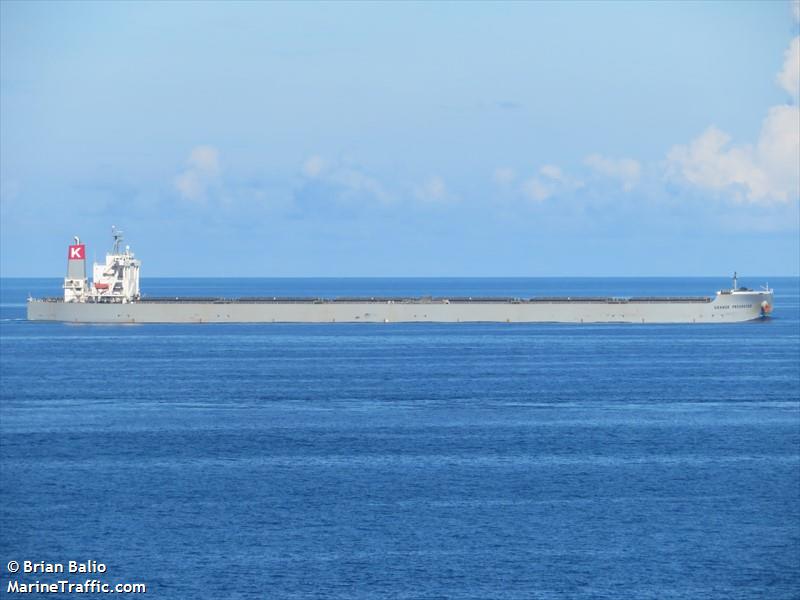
(115,281)
(118,279)
(114,297)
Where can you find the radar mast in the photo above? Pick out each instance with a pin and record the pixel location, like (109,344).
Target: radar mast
(117,235)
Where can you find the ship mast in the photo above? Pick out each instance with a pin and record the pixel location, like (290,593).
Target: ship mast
(117,235)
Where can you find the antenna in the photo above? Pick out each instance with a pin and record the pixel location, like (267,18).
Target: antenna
(117,235)
(735,283)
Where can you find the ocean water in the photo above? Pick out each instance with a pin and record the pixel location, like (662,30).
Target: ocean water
(406,460)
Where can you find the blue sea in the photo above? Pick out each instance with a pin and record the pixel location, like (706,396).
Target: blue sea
(406,460)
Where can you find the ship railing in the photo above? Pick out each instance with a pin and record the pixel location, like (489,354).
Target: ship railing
(388,300)
(677,299)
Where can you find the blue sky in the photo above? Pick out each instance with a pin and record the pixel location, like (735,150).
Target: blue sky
(406,139)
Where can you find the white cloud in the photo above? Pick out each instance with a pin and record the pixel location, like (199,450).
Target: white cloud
(537,190)
(552,172)
(778,150)
(202,172)
(706,162)
(314,166)
(789,77)
(549,182)
(768,171)
(349,181)
(433,190)
(626,170)
(356,182)
(349,184)
(503,176)
(796,10)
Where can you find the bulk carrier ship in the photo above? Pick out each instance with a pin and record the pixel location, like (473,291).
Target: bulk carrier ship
(114,297)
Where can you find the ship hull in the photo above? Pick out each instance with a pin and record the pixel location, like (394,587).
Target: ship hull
(724,308)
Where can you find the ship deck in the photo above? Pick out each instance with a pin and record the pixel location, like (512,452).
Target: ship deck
(419,300)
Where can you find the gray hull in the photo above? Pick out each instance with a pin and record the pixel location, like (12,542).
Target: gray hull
(724,308)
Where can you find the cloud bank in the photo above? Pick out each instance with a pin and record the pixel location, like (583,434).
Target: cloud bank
(201,173)
(765,172)
(789,76)
(626,170)
(344,181)
(549,182)
(433,190)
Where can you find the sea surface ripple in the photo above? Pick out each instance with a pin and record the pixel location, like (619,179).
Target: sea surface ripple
(406,460)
